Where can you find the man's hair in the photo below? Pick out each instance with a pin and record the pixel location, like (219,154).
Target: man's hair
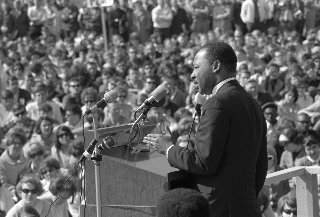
(74,109)
(289,199)
(182,202)
(223,52)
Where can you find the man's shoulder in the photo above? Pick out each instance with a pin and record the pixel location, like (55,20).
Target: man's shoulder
(303,161)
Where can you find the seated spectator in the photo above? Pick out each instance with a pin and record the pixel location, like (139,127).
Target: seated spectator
(311,145)
(182,202)
(6,201)
(43,133)
(252,88)
(60,190)
(287,205)
(292,142)
(35,153)
(270,111)
(60,150)
(45,110)
(288,107)
(277,189)
(40,97)
(29,188)
(12,161)
(272,84)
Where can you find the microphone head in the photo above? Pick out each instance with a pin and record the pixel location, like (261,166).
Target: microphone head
(110,96)
(160,92)
(200,99)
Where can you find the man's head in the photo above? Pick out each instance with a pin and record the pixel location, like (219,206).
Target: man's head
(182,202)
(251,87)
(40,93)
(312,146)
(73,114)
(214,63)
(7,99)
(19,111)
(303,123)
(243,77)
(270,111)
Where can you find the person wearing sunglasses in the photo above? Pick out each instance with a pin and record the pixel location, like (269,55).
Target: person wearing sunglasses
(89,96)
(29,188)
(60,150)
(12,160)
(49,169)
(35,153)
(287,205)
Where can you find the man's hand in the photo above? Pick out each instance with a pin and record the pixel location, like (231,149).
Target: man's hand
(159,142)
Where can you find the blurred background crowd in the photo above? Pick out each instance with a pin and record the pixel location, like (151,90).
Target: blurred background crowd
(54,66)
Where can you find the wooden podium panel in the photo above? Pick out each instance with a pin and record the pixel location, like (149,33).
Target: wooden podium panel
(131,184)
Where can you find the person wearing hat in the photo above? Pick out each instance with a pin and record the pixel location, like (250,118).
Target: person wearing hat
(40,97)
(292,142)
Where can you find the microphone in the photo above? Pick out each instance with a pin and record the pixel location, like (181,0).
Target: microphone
(155,97)
(108,97)
(106,143)
(199,100)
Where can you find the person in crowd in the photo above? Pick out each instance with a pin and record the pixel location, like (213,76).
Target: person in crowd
(264,202)
(114,116)
(252,88)
(40,97)
(60,190)
(60,150)
(73,97)
(28,211)
(29,188)
(288,107)
(73,117)
(271,83)
(214,73)
(45,110)
(19,95)
(89,96)
(126,109)
(142,22)
(143,94)
(6,108)
(22,120)
(49,169)
(254,13)
(44,134)
(311,145)
(287,205)
(12,160)
(35,153)
(304,125)
(6,201)
(291,140)
(162,19)
(180,21)
(199,10)
(118,21)
(277,189)
(182,202)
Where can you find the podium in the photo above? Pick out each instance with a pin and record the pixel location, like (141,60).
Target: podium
(131,184)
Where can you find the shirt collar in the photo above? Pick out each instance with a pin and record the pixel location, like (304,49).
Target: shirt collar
(313,161)
(219,85)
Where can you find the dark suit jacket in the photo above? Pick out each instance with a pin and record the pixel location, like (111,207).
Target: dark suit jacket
(229,160)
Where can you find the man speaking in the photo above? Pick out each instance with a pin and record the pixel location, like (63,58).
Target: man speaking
(228,163)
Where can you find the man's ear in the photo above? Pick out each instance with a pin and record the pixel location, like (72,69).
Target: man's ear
(216,66)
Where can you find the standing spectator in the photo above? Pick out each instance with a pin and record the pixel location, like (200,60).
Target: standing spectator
(118,21)
(200,16)
(180,22)
(38,16)
(22,21)
(142,22)
(254,13)
(235,16)
(8,25)
(222,17)
(69,15)
(40,96)
(162,18)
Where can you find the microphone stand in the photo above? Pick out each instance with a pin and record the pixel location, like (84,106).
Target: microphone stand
(142,116)
(97,158)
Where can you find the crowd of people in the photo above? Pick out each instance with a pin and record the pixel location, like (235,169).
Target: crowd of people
(54,67)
